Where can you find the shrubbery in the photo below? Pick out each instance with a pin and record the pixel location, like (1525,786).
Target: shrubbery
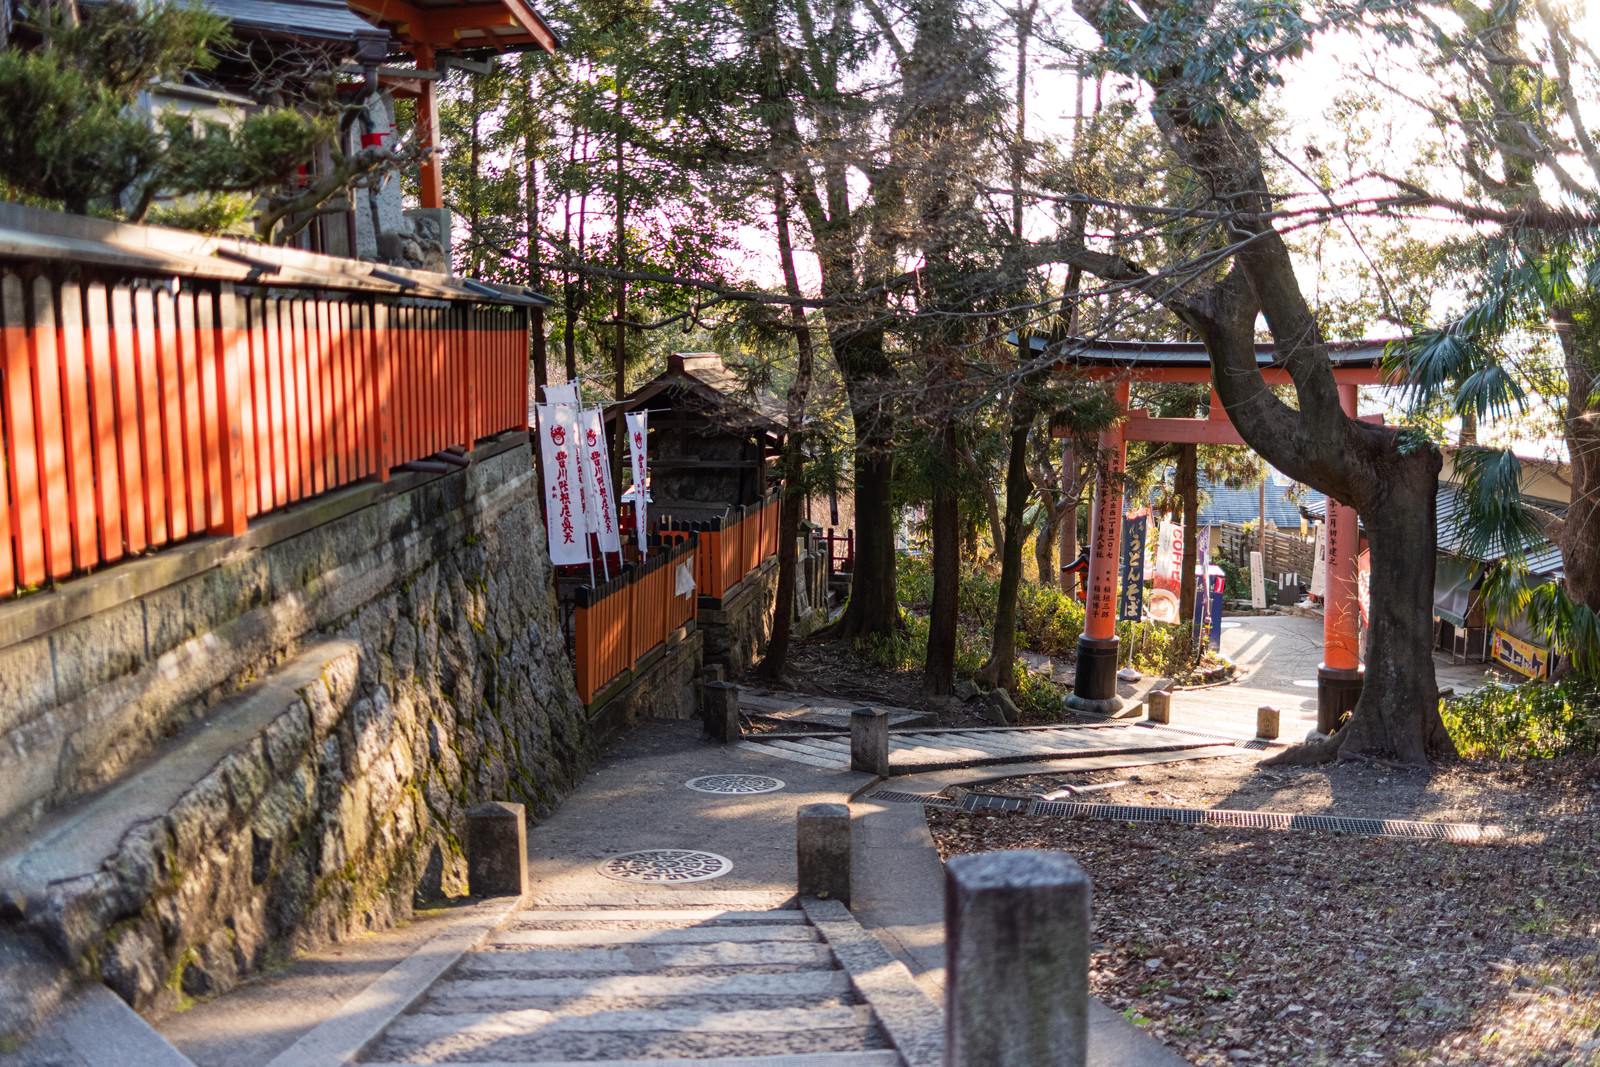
(1534,720)
(1048,622)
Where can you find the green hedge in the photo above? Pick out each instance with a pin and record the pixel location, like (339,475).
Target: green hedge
(1534,720)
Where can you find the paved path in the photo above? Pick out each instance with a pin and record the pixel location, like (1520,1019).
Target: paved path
(597,966)
(1277,658)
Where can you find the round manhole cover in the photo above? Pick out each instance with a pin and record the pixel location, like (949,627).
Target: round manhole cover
(666,866)
(735,783)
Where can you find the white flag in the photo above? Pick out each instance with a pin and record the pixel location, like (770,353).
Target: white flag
(598,482)
(561,394)
(560,465)
(636,453)
(683,581)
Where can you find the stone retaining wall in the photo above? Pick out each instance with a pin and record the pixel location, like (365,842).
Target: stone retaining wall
(410,665)
(738,625)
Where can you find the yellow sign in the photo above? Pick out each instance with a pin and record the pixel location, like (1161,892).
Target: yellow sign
(1525,659)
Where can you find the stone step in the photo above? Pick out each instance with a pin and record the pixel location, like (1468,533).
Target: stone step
(812,757)
(792,983)
(534,1036)
(874,1058)
(663,917)
(532,1022)
(702,935)
(643,959)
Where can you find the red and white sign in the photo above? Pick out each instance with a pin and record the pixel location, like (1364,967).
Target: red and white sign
(565,527)
(597,484)
(637,438)
(1168,569)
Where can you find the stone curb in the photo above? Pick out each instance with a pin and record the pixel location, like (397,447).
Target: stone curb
(913,1023)
(364,1017)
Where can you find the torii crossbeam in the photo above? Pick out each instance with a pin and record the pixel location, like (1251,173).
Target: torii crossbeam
(1121,362)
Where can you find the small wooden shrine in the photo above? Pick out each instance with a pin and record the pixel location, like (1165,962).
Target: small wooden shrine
(714,440)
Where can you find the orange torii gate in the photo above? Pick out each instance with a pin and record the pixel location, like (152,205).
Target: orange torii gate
(1121,362)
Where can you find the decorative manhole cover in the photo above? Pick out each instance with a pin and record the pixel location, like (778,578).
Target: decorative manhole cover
(735,783)
(666,866)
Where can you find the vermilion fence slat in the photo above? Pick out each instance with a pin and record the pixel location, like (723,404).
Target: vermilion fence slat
(21,436)
(155,469)
(55,497)
(170,394)
(130,454)
(103,405)
(74,373)
(316,373)
(194,457)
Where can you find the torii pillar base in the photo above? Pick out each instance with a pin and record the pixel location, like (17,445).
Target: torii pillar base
(1337,693)
(1094,686)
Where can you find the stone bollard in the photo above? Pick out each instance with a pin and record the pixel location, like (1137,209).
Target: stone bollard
(497,850)
(1016,935)
(822,851)
(1158,706)
(714,672)
(1267,724)
(720,706)
(869,741)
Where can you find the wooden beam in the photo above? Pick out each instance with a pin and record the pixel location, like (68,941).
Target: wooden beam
(532,24)
(1207,431)
(430,184)
(442,25)
(1202,375)
(396,11)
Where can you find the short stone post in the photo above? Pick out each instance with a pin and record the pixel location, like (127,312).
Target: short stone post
(714,672)
(721,710)
(1158,706)
(869,741)
(1016,934)
(497,850)
(822,851)
(1267,724)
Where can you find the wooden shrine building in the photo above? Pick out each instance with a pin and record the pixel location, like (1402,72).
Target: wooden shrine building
(714,441)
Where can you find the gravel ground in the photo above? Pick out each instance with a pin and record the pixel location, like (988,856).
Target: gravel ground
(1236,946)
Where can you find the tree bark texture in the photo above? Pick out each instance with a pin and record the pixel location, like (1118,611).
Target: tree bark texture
(1000,671)
(944,514)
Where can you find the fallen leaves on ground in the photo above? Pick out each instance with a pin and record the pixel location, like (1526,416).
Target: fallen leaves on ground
(1243,946)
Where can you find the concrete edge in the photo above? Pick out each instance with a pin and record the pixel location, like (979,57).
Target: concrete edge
(98,1025)
(914,1023)
(362,1019)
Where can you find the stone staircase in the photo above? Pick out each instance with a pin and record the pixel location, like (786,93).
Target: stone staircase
(913,751)
(612,986)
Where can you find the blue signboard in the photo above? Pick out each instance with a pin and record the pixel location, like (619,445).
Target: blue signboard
(1130,596)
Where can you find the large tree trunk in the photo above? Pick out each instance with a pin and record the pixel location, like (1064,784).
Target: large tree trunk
(939,667)
(1400,529)
(1001,670)
(1044,547)
(1189,495)
(1578,536)
(873,607)
(777,657)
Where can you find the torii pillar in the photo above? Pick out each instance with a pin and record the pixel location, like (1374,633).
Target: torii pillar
(1341,673)
(1094,686)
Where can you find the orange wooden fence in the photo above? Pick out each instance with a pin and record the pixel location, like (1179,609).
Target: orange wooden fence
(617,623)
(732,546)
(137,412)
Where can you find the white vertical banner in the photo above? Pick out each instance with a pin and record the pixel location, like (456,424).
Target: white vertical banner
(598,482)
(1319,566)
(1258,580)
(561,394)
(637,431)
(565,527)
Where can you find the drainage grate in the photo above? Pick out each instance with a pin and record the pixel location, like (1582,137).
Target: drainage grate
(933,800)
(735,783)
(666,865)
